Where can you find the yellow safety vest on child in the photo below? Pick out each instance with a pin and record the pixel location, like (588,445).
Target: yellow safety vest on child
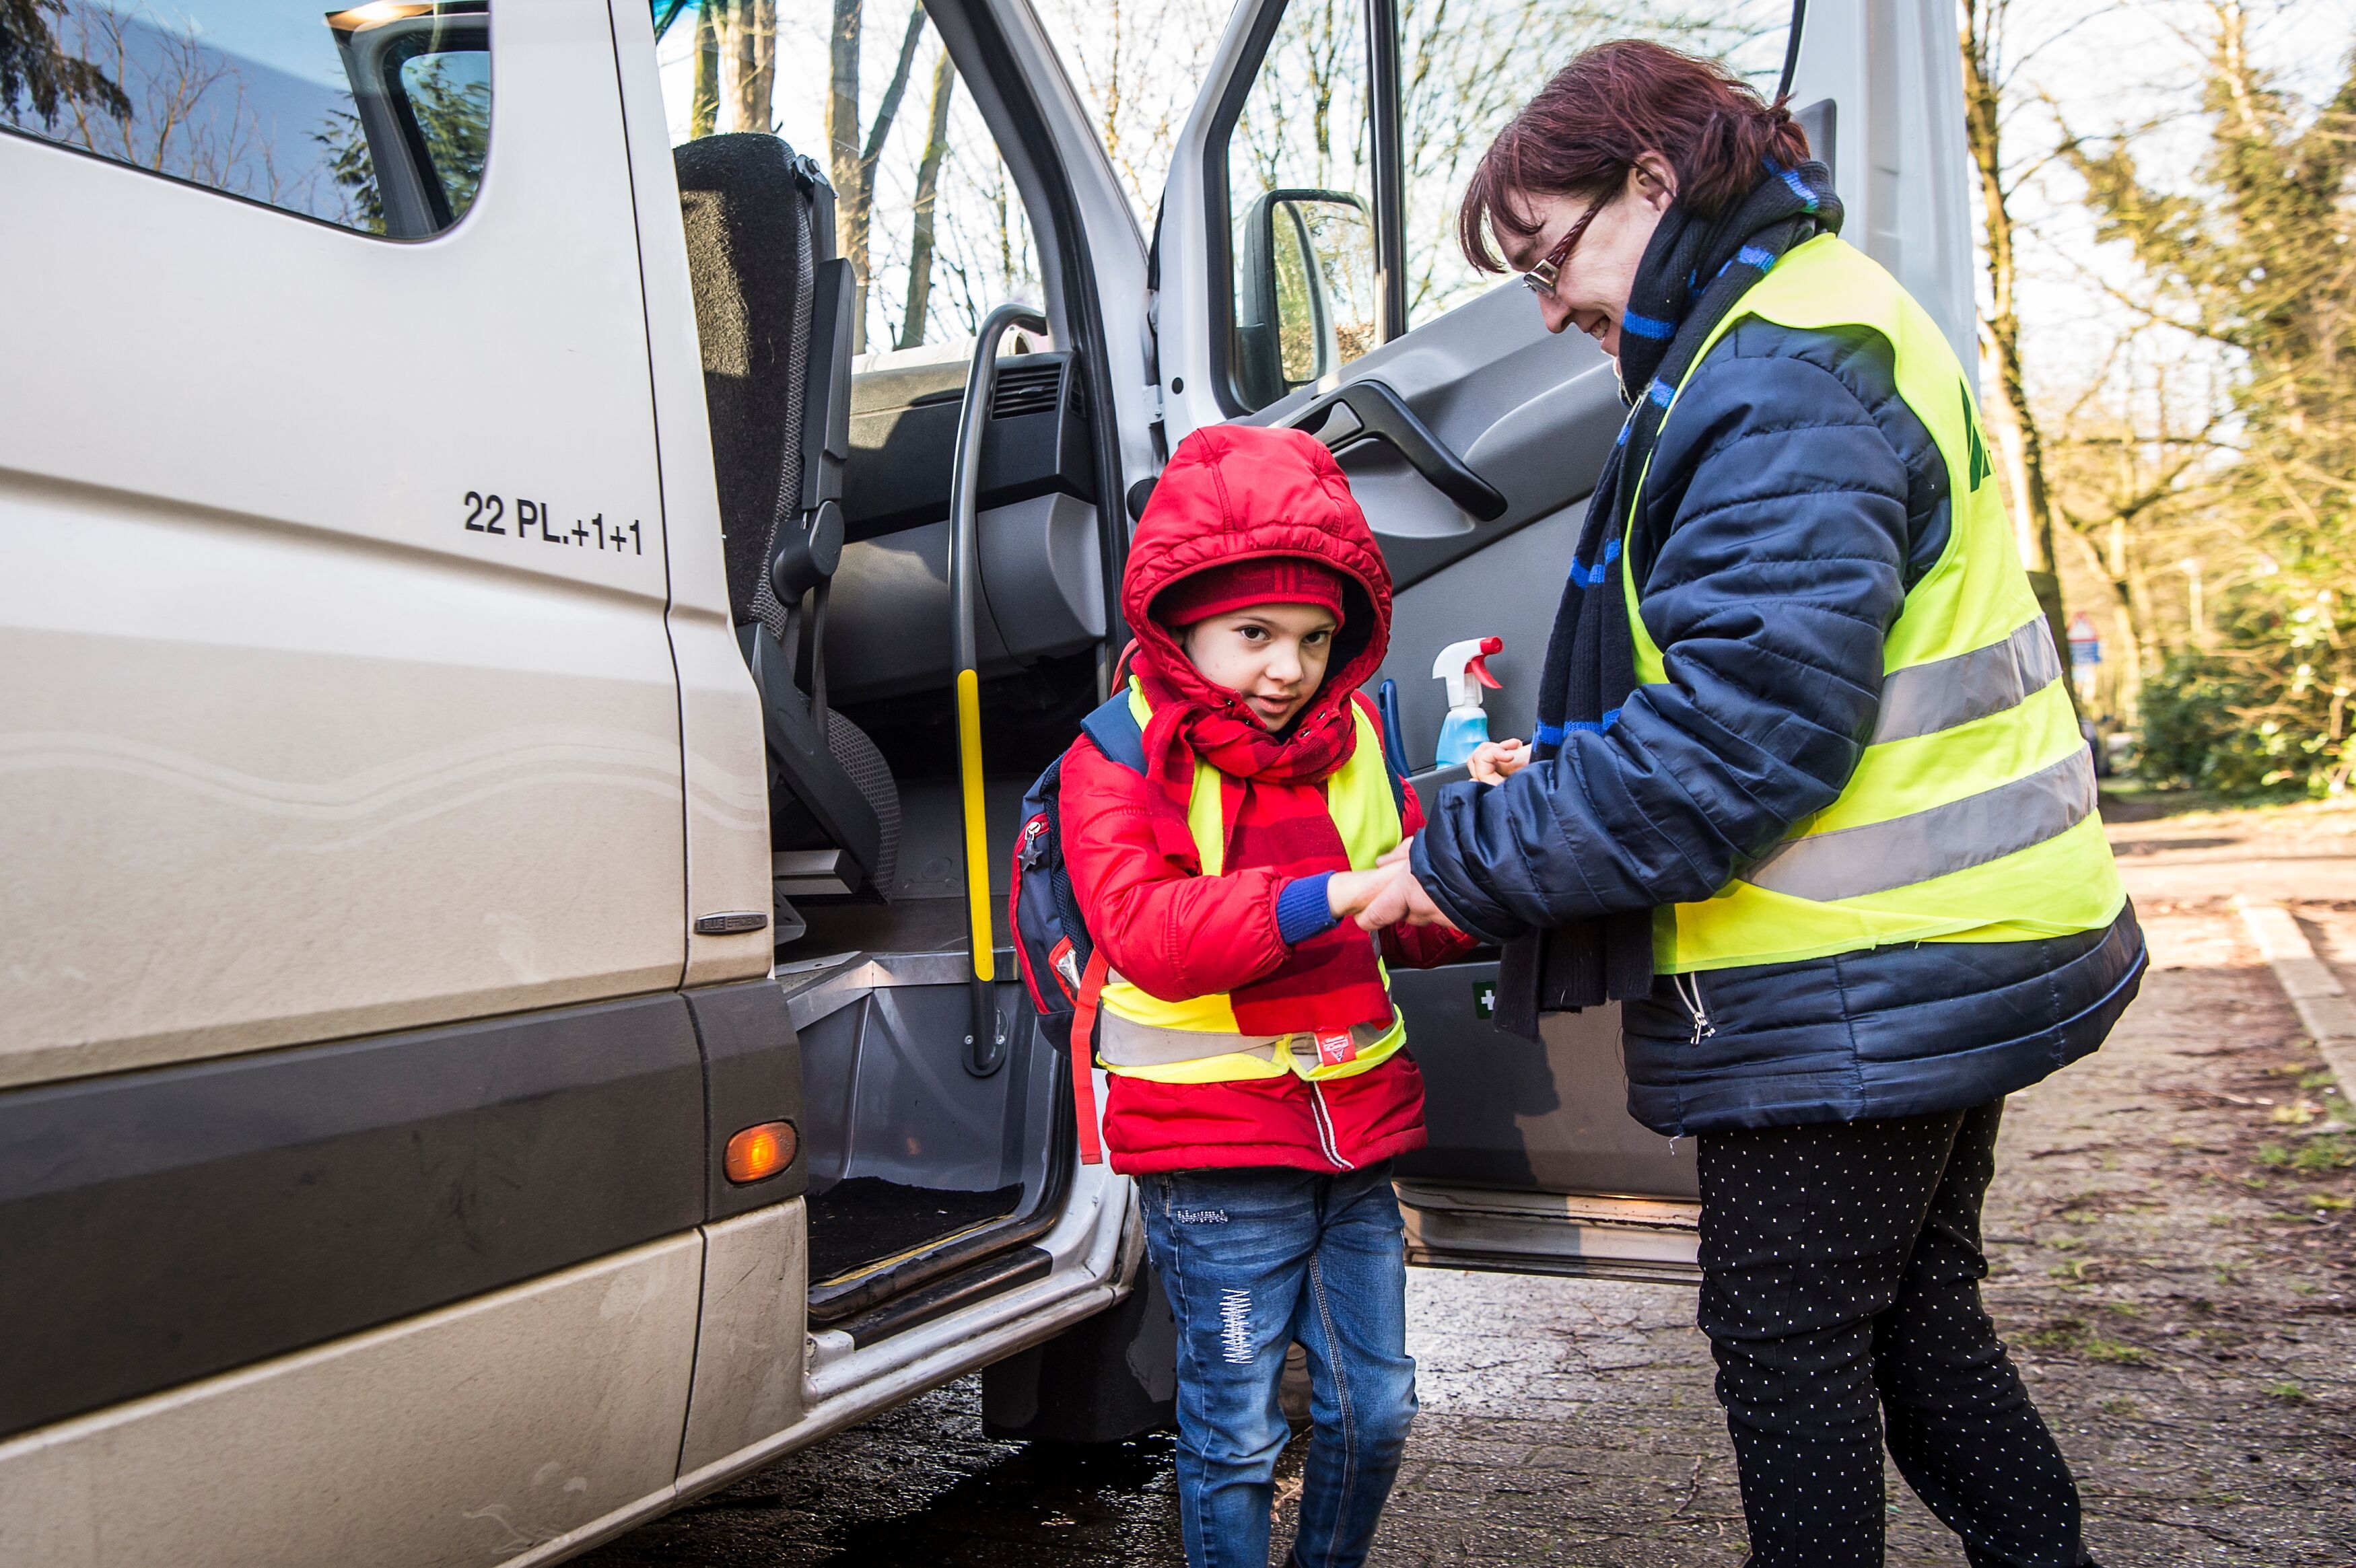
(1197,1041)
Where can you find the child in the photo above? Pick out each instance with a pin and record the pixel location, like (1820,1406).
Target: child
(1258,1089)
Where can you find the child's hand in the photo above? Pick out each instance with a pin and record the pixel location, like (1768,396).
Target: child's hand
(1401,900)
(1384,896)
(1347,892)
(1495,762)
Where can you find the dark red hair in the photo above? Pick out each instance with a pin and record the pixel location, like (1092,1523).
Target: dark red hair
(1582,133)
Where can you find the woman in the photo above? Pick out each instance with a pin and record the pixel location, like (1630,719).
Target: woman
(1809,797)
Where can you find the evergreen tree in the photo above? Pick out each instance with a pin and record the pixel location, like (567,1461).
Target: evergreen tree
(33,71)
(2260,256)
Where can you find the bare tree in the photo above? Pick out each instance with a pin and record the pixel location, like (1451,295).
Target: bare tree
(2010,417)
(735,66)
(983,249)
(1137,64)
(186,111)
(2125,488)
(928,179)
(704,106)
(852,158)
(748,42)
(1467,65)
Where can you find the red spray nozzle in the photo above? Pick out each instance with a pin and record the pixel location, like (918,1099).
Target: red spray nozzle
(1464,667)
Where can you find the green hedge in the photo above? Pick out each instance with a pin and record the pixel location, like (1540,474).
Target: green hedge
(2233,726)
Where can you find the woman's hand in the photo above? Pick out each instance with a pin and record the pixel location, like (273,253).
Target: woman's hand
(1495,762)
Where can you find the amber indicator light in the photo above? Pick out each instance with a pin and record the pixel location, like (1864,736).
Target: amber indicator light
(759,1152)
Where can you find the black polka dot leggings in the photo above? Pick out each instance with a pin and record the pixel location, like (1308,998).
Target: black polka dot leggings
(1841,1291)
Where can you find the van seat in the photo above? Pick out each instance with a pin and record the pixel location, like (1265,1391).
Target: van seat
(771,312)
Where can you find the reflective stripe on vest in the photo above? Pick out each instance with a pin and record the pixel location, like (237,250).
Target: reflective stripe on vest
(1197,1041)
(1970,816)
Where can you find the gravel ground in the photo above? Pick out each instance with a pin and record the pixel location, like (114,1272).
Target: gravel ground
(2170,1233)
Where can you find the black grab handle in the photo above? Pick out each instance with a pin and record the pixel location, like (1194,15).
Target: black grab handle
(1383,415)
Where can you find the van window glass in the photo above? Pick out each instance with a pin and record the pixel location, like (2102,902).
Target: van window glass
(1138,68)
(375,117)
(925,211)
(1466,66)
(1300,203)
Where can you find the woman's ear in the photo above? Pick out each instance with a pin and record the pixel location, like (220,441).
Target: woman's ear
(1652,181)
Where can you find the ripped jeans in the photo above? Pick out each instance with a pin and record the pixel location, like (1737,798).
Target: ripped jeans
(1253,1259)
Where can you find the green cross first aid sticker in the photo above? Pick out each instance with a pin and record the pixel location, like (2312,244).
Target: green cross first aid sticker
(1484,998)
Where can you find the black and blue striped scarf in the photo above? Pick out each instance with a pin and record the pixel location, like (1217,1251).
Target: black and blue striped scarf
(1692,273)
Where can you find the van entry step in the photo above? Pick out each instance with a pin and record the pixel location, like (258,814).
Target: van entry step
(991,1278)
(868,1219)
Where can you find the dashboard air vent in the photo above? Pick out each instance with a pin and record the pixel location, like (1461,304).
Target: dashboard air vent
(1026,390)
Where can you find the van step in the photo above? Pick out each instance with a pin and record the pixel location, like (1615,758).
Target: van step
(995,1277)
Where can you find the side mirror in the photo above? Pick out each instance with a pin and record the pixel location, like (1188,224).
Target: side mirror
(1304,291)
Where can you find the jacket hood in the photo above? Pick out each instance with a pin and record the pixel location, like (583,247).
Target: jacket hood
(1231,491)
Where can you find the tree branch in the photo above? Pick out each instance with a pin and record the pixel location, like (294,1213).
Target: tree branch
(889,109)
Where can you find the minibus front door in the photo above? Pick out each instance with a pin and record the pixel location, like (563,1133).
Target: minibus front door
(1308,274)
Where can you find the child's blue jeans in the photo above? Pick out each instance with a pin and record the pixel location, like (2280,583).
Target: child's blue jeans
(1253,1259)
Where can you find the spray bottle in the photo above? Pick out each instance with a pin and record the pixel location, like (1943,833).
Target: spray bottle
(1464,667)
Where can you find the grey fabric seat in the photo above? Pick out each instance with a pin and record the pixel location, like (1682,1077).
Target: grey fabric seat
(773,312)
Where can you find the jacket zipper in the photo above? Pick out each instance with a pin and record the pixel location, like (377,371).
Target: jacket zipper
(1703,1027)
(1325,1129)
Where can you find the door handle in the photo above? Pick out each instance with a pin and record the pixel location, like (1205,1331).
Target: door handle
(1383,415)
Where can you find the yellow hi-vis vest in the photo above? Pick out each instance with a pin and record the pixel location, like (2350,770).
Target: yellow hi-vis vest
(1971,815)
(1197,1041)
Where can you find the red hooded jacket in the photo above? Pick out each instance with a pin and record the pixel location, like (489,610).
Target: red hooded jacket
(1229,493)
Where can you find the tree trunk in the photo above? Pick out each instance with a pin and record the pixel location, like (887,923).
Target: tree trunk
(2009,418)
(703,108)
(2138,655)
(928,180)
(752,57)
(2128,616)
(2128,686)
(843,160)
(851,161)
(1005,227)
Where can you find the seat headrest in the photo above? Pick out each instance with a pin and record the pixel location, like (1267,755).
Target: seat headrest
(746,199)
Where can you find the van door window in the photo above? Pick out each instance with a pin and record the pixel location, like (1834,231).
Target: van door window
(1340,178)
(375,118)
(1465,69)
(1300,203)
(1138,70)
(925,211)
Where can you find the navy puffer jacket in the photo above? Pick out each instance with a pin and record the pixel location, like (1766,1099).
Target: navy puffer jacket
(1794,499)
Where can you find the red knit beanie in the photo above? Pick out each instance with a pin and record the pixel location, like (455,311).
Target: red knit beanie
(1239,584)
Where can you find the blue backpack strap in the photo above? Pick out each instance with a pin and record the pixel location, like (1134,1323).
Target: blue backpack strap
(1398,783)
(1113,727)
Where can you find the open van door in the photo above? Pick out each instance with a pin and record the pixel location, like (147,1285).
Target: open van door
(1308,275)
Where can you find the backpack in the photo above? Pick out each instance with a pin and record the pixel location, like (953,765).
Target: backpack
(1062,966)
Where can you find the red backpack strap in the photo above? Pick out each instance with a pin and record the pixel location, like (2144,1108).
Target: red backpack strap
(1084,1037)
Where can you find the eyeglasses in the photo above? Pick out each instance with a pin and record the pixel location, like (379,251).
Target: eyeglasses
(1539,280)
